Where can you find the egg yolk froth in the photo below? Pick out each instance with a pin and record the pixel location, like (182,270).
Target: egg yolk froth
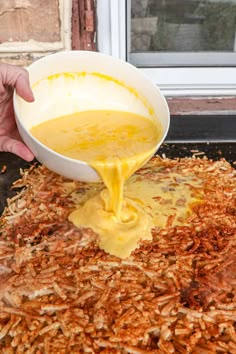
(115,144)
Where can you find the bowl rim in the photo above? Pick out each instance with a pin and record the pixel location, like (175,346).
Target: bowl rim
(85,53)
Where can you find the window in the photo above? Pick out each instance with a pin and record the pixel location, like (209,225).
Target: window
(185,46)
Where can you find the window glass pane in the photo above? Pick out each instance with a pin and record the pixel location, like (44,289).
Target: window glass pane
(183,26)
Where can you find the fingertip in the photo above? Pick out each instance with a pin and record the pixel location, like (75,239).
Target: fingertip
(28,156)
(30,97)
(23,88)
(25,153)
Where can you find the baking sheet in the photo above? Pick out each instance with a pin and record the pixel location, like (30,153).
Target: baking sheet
(213,151)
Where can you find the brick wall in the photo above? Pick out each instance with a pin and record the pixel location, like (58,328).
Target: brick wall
(30,29)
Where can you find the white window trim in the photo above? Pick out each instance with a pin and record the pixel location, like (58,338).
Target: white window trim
(211,81)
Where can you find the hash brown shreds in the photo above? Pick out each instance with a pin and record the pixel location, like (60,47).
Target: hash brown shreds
(60,293)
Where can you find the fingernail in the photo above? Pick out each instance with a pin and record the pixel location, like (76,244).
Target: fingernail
(32,96)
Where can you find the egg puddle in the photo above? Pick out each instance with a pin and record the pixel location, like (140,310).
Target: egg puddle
(171,196)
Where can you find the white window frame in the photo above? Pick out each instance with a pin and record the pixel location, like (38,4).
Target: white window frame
(173,81)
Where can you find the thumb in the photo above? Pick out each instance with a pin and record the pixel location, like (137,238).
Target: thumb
(23,88)
(17,78)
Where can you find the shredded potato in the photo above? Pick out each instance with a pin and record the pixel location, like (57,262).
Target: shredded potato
(60,293)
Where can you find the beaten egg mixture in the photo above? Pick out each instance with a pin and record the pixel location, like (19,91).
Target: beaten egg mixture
(116,144)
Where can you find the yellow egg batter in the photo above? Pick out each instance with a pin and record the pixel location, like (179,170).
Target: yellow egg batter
(116,144)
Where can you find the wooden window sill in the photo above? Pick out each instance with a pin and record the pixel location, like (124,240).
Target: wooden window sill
(202,105)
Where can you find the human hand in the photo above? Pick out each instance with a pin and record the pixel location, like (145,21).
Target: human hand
(13,77)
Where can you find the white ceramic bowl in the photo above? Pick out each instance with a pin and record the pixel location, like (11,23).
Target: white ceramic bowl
(129,90)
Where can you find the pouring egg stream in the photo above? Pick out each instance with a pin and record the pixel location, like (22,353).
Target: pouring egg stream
(116,144)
